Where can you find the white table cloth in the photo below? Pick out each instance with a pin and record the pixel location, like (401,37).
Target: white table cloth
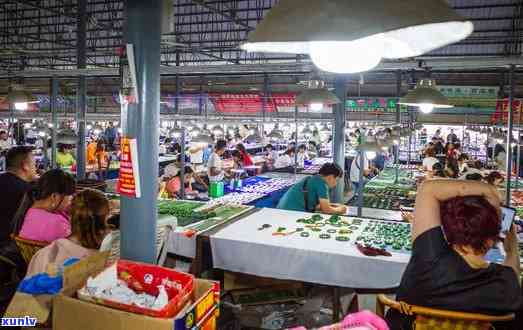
(241,247)
(375,213)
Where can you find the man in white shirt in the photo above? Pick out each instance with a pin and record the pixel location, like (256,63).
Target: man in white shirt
(272,155)
(214,164)
(4,141)
(355,171)
(430,159)
(302,156)
(285,160)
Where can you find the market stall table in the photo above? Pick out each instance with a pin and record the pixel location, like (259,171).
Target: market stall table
(375,213)
(182,239)
(244,247)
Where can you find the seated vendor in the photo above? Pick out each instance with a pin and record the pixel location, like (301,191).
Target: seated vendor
(215,167)
(46,219)
(271,156)
(312,193)
(455,224)
(173,169)
(89,211)
(285,160)
(173,187)
(64,157)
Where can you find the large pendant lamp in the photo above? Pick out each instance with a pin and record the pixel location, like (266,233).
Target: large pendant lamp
(254,136)
(349,36)
(66,136)
(19,97)
(426,97)
(316,96)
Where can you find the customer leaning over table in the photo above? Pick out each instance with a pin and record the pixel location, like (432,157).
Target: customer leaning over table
(312,193)
(455,224)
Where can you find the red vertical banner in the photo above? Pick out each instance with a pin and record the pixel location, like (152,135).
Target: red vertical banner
(129,178)
(502,108)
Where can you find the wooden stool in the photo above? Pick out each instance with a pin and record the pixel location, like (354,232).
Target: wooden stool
(27,247)
(432,319)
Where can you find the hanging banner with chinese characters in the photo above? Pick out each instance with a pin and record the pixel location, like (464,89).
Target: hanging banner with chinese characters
(502,109)
(373,105)
(129,178)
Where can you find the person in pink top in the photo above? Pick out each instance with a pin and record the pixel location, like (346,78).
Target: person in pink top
(174,185)
(89,212)
(47,219)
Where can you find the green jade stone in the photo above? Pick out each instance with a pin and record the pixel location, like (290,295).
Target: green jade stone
(316,217)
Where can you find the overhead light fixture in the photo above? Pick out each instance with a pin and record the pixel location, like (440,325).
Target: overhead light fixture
(349,36)
(325,128)
(218,130)
(254,136)
(306,131)
(195,131)
(203,138)
(66,136)
(275,134)
(316,96)
(176,132)
(19,97)
(426,97)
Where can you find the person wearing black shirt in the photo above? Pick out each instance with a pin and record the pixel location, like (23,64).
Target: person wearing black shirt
(452,137)
(21,170)
(455,224)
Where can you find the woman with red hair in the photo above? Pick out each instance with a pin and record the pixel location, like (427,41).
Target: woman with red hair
(455,224)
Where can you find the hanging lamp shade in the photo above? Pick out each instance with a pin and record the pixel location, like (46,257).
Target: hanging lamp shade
(254,136)
(218,130)
(195,131)
(306,131)
(203,138)
(316,96)
(325,128)
(426,97)
(19,97)
(348,36)
(67,136)
(275,134)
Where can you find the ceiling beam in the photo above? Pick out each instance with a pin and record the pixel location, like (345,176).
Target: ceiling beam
(230,18)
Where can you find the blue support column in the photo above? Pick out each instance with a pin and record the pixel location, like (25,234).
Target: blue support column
(338,142)
(54,119)
(510,127)
(138,215)
(177,98)
(81,92)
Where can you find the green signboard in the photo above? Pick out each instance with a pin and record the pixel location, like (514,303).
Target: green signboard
(373,104)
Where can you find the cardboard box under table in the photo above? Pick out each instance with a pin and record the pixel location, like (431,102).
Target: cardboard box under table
(71,313)
(74,276)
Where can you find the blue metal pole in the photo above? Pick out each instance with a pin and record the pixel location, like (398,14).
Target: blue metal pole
(182,164)
(81,93)
(54,119)
(338,142)
(177,98)
(361,181)
(510,127)
(138,224)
